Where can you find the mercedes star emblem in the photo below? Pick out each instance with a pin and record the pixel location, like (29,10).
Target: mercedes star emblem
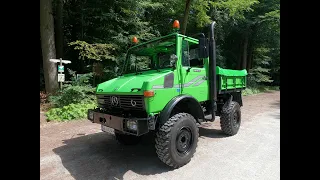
(133,103)
(114,100)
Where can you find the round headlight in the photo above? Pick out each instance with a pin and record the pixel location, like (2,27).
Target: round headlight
(132,125)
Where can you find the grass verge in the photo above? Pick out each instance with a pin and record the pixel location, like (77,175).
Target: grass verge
(260,89)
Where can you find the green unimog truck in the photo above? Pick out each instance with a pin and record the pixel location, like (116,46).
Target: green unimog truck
(167,87)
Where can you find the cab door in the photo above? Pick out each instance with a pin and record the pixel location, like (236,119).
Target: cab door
(194,75)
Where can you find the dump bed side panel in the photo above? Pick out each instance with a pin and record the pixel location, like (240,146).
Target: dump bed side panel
(228,79)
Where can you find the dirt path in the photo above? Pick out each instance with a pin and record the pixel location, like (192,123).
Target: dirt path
(79,150)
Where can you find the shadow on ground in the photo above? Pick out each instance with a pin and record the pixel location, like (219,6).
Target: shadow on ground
(269,91)
(100,156)
(276,104)
(276,115)
(209,132)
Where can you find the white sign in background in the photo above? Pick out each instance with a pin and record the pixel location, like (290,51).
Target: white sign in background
(61,77)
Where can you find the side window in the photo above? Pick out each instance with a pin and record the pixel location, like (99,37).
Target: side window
(190,55)
(185,53)
(195,61)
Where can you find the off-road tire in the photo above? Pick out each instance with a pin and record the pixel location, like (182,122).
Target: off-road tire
(177,139)
(230,118)
(127,139)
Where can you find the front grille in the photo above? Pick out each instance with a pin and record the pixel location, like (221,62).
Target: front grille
(132,102)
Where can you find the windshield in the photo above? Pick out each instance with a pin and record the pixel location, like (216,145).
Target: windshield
(139,63)
(164,60)
(151,56)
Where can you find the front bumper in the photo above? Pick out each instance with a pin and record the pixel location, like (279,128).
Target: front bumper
(143,125)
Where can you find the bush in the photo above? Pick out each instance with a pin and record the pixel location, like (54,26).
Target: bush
(74,100)
(251,81)
(78,92)
(83,80)
(73,95)
(69,112)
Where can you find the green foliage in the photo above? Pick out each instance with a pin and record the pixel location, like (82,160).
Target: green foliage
(73,101)
(73,94)
(222,11)
(259,89)
(83,80)
(70,112)
(97,51)
(234,8)
(201,7)
(260,72)
(79,91)
(99,30)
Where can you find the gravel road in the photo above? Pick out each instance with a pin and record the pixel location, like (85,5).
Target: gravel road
(79,150)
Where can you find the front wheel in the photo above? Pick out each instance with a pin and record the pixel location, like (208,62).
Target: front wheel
(230,118)
(177,139)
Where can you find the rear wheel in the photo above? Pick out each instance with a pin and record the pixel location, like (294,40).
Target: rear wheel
(177,139)
(127,139)
(230,118)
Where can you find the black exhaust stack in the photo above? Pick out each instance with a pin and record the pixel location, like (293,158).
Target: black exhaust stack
(212,72)
(203,53)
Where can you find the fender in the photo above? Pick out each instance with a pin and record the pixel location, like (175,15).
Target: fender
(192,105)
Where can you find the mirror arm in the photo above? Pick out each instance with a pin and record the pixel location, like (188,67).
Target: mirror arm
(189,68)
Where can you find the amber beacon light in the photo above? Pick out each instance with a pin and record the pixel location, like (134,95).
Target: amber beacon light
(176,24)
(135,40)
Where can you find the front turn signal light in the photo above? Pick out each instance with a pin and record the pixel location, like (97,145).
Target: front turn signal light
(148,93)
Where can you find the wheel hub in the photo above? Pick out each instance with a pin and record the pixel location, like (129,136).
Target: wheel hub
(184,140)
(236,119)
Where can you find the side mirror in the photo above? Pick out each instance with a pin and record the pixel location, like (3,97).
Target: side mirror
(203,49)
(173,60)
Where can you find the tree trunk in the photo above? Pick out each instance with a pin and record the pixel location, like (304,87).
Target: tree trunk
(59,29)
(239,62)
(250,52)
(251,46)
(185,17)
(48,46)
(245,51)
